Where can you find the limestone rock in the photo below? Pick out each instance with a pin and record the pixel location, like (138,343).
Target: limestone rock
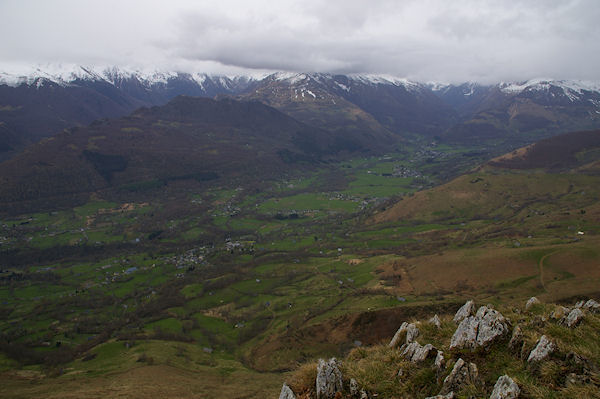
(580,304)
(412,332)
(465,334)
(592,306)
(286,392)
(449,396)
(560,312)
(532,301)
(516,340)
(462,374)
(465,311)
(435,320)
(417,353)
(353,388)
(492,325)
(398,337)
(574,317)
(407,332)
(542,350)
(440,362)
(329,379)
(505,388)
(479,330)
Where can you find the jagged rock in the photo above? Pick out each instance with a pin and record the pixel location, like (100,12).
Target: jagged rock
(286,392)
(516,339)
(542,350)
(592,306)
(329,379)
(440,362)
(580,304)
(574,317)
(408,330)
(479,330)
(435,320)
(449,396)
(532,301)
(417,353)
(559,313)
(465,311)
(412,332)
(462,374)
(505,388)
(353,388)
(466,333)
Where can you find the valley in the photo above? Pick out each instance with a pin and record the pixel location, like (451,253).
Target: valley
(227,281)
(227,242)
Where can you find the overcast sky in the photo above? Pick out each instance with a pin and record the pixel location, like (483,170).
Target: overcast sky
(425,40)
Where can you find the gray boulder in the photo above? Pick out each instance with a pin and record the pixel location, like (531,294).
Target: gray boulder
(329,379)
(354,388)
(286,392)
(505,388)
(592,306)
(574,317)
(462,374)
(435,320)
(416,353)
(479,330)
(465,311)
(407,332)
(542,350)
(440,362)
(531,302)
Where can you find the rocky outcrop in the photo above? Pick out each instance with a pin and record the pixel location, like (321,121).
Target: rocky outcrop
(531,302)
(329,379)
(416,353)
(407,332)
(286,392)
(505,388)
(479,330)
(465,311)
(574,317)
(435,320)
(462,374)
(542,350)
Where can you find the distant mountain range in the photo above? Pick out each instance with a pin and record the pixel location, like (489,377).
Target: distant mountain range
(39,102)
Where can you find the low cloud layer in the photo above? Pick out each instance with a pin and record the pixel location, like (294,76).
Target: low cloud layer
(426,40)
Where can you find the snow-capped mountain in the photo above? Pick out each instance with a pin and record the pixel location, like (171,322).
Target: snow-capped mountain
(355,101)
(38,101)
(41,101)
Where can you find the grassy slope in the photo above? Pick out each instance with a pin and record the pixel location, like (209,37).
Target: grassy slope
(376,368)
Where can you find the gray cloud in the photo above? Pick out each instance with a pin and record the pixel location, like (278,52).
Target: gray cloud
(439,40)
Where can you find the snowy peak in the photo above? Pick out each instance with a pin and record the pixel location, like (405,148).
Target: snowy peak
(71,75)
(572,90)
